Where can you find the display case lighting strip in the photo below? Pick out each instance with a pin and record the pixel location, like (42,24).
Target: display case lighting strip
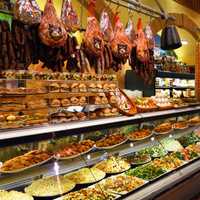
(61,130)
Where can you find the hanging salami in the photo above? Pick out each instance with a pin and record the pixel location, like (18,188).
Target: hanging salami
(27,11)
(51,30)
(69,16)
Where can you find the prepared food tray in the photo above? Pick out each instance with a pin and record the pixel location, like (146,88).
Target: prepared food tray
(26,161)
(194,148)
(195,121)
(154,151)
(140,135)
(163,128)
(93,193)
(86,176)
(14,195)
(189,139)
(111,141)
(168,162)
(145,105)
(50,187)
(74,150)
(137,159)
(121,184)
(113,165)
(185,154)
(147,172)
(171,145)
(180,125)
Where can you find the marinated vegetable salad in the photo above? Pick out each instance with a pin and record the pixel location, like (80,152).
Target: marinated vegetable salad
(155,151)
(147,172)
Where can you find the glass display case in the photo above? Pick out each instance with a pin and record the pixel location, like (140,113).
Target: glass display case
(122,157)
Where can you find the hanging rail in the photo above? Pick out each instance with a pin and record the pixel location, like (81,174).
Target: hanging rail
(7,12)
(141,8)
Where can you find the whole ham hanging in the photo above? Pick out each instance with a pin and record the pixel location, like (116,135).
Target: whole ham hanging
(142,55)
(130,32)
(150,37)
(120,44)
(27,11)
(51,30)
(141,43)
(106,27)
(69,16)
(94,43)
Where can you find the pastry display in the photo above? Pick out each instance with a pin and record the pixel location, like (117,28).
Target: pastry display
(121,184)
(36,104)
(106,112)
(14,195)
(50,186)
(163,128)
(82,100)
(98,100)
(137,159)
(111,141)
(65,116)
(113,165)
(75,149)
(65,102)
(86,176)
(82,87)
(75,87)
(12,107)
(147,172)
(55,103)
(139,135)
(92,87)
(64,87)
(25,161)
(74,100)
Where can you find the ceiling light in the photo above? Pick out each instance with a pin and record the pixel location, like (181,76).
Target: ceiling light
(184,42)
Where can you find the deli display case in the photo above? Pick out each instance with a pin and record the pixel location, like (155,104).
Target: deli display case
(137,157)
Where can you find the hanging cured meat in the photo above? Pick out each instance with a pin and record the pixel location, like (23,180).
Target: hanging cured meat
(69,16)
(130,32)
(51,30)
(106,27)
(94,43)
(120,44)
(150,37)
(141,43)
(27,11)
(142,55)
